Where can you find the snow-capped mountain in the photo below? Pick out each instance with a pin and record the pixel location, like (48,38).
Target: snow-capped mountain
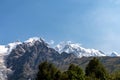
(32,40)
(22,58)
(25,58)
(114,54)
(5,50)
(77,50)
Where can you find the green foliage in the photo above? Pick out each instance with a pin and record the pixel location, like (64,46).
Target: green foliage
(74,73)
(91,78)
(95,69)
(47,71)
(115,76)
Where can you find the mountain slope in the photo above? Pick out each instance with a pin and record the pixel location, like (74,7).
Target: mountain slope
(4,52)
(20,60)
(3,69)
(25,58)
(114,54)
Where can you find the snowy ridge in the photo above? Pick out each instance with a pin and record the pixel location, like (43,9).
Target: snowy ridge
(114,54)
(12,46)
(33,39)
(77,50)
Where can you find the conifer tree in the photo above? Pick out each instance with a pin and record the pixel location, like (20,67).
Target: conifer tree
(75,73)
(95,69)
(47,71)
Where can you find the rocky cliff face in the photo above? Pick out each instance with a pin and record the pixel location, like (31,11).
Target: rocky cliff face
(25,58)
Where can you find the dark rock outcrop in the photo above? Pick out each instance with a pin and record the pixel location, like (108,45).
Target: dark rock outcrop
(24,59)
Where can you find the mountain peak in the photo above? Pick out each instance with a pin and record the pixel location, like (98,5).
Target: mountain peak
(114,54)
(66,44)
(77,50)
(29,53)
(33,39)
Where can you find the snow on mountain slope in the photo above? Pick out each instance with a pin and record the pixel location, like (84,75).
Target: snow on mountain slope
(114,54)
(5,50)
(3,69)
(68,47)
(33,39)
(13,45)
(77,50)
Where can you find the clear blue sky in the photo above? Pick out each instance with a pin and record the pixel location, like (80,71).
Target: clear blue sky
(93,23)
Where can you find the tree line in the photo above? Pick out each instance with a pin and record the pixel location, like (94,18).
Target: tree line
(93,71)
